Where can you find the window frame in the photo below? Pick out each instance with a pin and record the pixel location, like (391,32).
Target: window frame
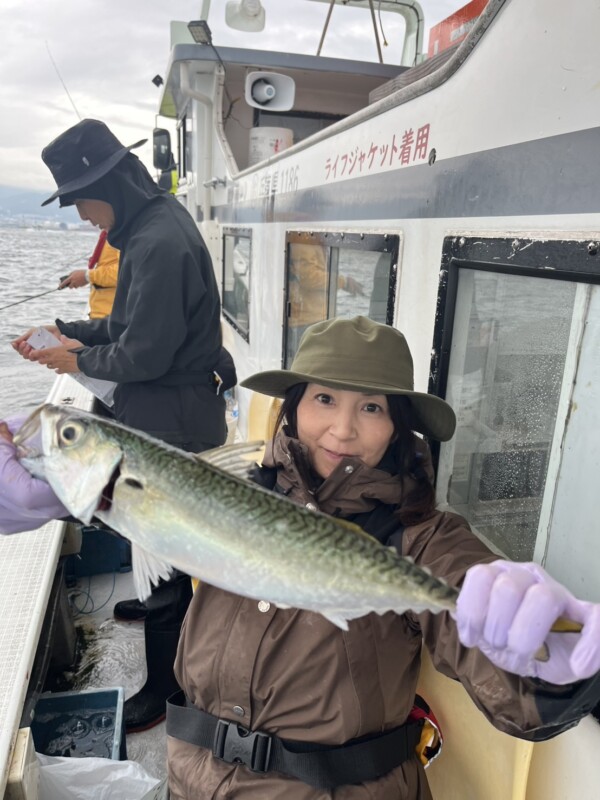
(575,261)
(184,145)
(245,233)
(369,241)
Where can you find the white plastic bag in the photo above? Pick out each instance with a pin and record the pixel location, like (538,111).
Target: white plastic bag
(94,779)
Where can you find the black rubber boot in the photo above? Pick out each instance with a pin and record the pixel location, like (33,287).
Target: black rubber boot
(131,610)
(166,609)
(148,707)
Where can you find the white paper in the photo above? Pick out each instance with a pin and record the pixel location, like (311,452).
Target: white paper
(41,339)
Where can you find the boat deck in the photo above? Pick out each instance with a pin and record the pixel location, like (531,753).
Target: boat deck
(114,656)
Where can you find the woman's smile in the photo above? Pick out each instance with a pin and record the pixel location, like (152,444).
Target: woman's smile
(337,423)
(337,456)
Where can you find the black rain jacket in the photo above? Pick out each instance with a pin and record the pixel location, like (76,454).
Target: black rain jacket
(162,340)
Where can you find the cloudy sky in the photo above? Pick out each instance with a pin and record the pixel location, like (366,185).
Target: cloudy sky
(107,51)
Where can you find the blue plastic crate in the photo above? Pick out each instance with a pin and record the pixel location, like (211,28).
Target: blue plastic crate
(79,724)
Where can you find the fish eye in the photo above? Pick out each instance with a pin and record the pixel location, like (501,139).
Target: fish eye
(70,433)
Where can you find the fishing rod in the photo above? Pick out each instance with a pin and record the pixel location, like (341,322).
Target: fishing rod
(61,80)
(48,291)
(31,297)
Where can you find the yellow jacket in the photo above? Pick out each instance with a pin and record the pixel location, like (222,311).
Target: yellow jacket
(103,282)
(309,284)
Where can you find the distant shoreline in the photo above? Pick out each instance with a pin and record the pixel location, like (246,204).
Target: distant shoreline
(23,208)
(42,223)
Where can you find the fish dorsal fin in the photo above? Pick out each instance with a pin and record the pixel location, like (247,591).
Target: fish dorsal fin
(236,459)
(352,526)
(148,571)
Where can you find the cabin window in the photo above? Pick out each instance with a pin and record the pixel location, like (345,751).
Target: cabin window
(337,275)
(503,356)
(237,254)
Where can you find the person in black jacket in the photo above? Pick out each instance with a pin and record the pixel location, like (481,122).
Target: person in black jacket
(161,344)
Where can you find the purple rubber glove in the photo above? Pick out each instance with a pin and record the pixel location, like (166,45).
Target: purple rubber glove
(26,502)
(506,609)
(15,422)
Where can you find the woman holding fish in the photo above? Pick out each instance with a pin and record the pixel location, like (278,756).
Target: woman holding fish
(334,704)
(300,651)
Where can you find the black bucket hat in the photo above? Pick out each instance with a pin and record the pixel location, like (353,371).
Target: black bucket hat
(82,155)
(362,356)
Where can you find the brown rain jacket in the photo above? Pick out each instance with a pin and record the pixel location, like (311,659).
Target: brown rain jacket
(294,674)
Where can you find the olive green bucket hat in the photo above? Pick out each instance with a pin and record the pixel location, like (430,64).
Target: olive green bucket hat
(362,356)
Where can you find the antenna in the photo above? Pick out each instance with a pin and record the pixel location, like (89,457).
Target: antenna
(61,80)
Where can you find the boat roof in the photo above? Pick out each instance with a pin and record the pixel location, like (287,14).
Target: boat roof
(365,75)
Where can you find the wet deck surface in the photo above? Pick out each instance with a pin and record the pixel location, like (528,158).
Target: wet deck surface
(114,656)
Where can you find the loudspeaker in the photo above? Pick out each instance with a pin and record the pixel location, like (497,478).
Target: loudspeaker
(270,90)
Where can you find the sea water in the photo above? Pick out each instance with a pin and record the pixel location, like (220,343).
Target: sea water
(32,261)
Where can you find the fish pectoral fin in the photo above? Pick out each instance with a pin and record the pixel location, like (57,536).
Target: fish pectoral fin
(235,459)
(148,571)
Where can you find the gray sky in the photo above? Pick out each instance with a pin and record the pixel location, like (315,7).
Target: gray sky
(107,52)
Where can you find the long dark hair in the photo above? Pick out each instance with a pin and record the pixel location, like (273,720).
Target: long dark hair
(418,504)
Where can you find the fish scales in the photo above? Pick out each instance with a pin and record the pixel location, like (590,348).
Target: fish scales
(234,495)
(224,530)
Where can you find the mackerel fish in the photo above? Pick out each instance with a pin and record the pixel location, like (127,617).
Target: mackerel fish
(181,511)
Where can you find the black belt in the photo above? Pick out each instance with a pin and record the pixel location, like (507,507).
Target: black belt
(191,378)
(322,766)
